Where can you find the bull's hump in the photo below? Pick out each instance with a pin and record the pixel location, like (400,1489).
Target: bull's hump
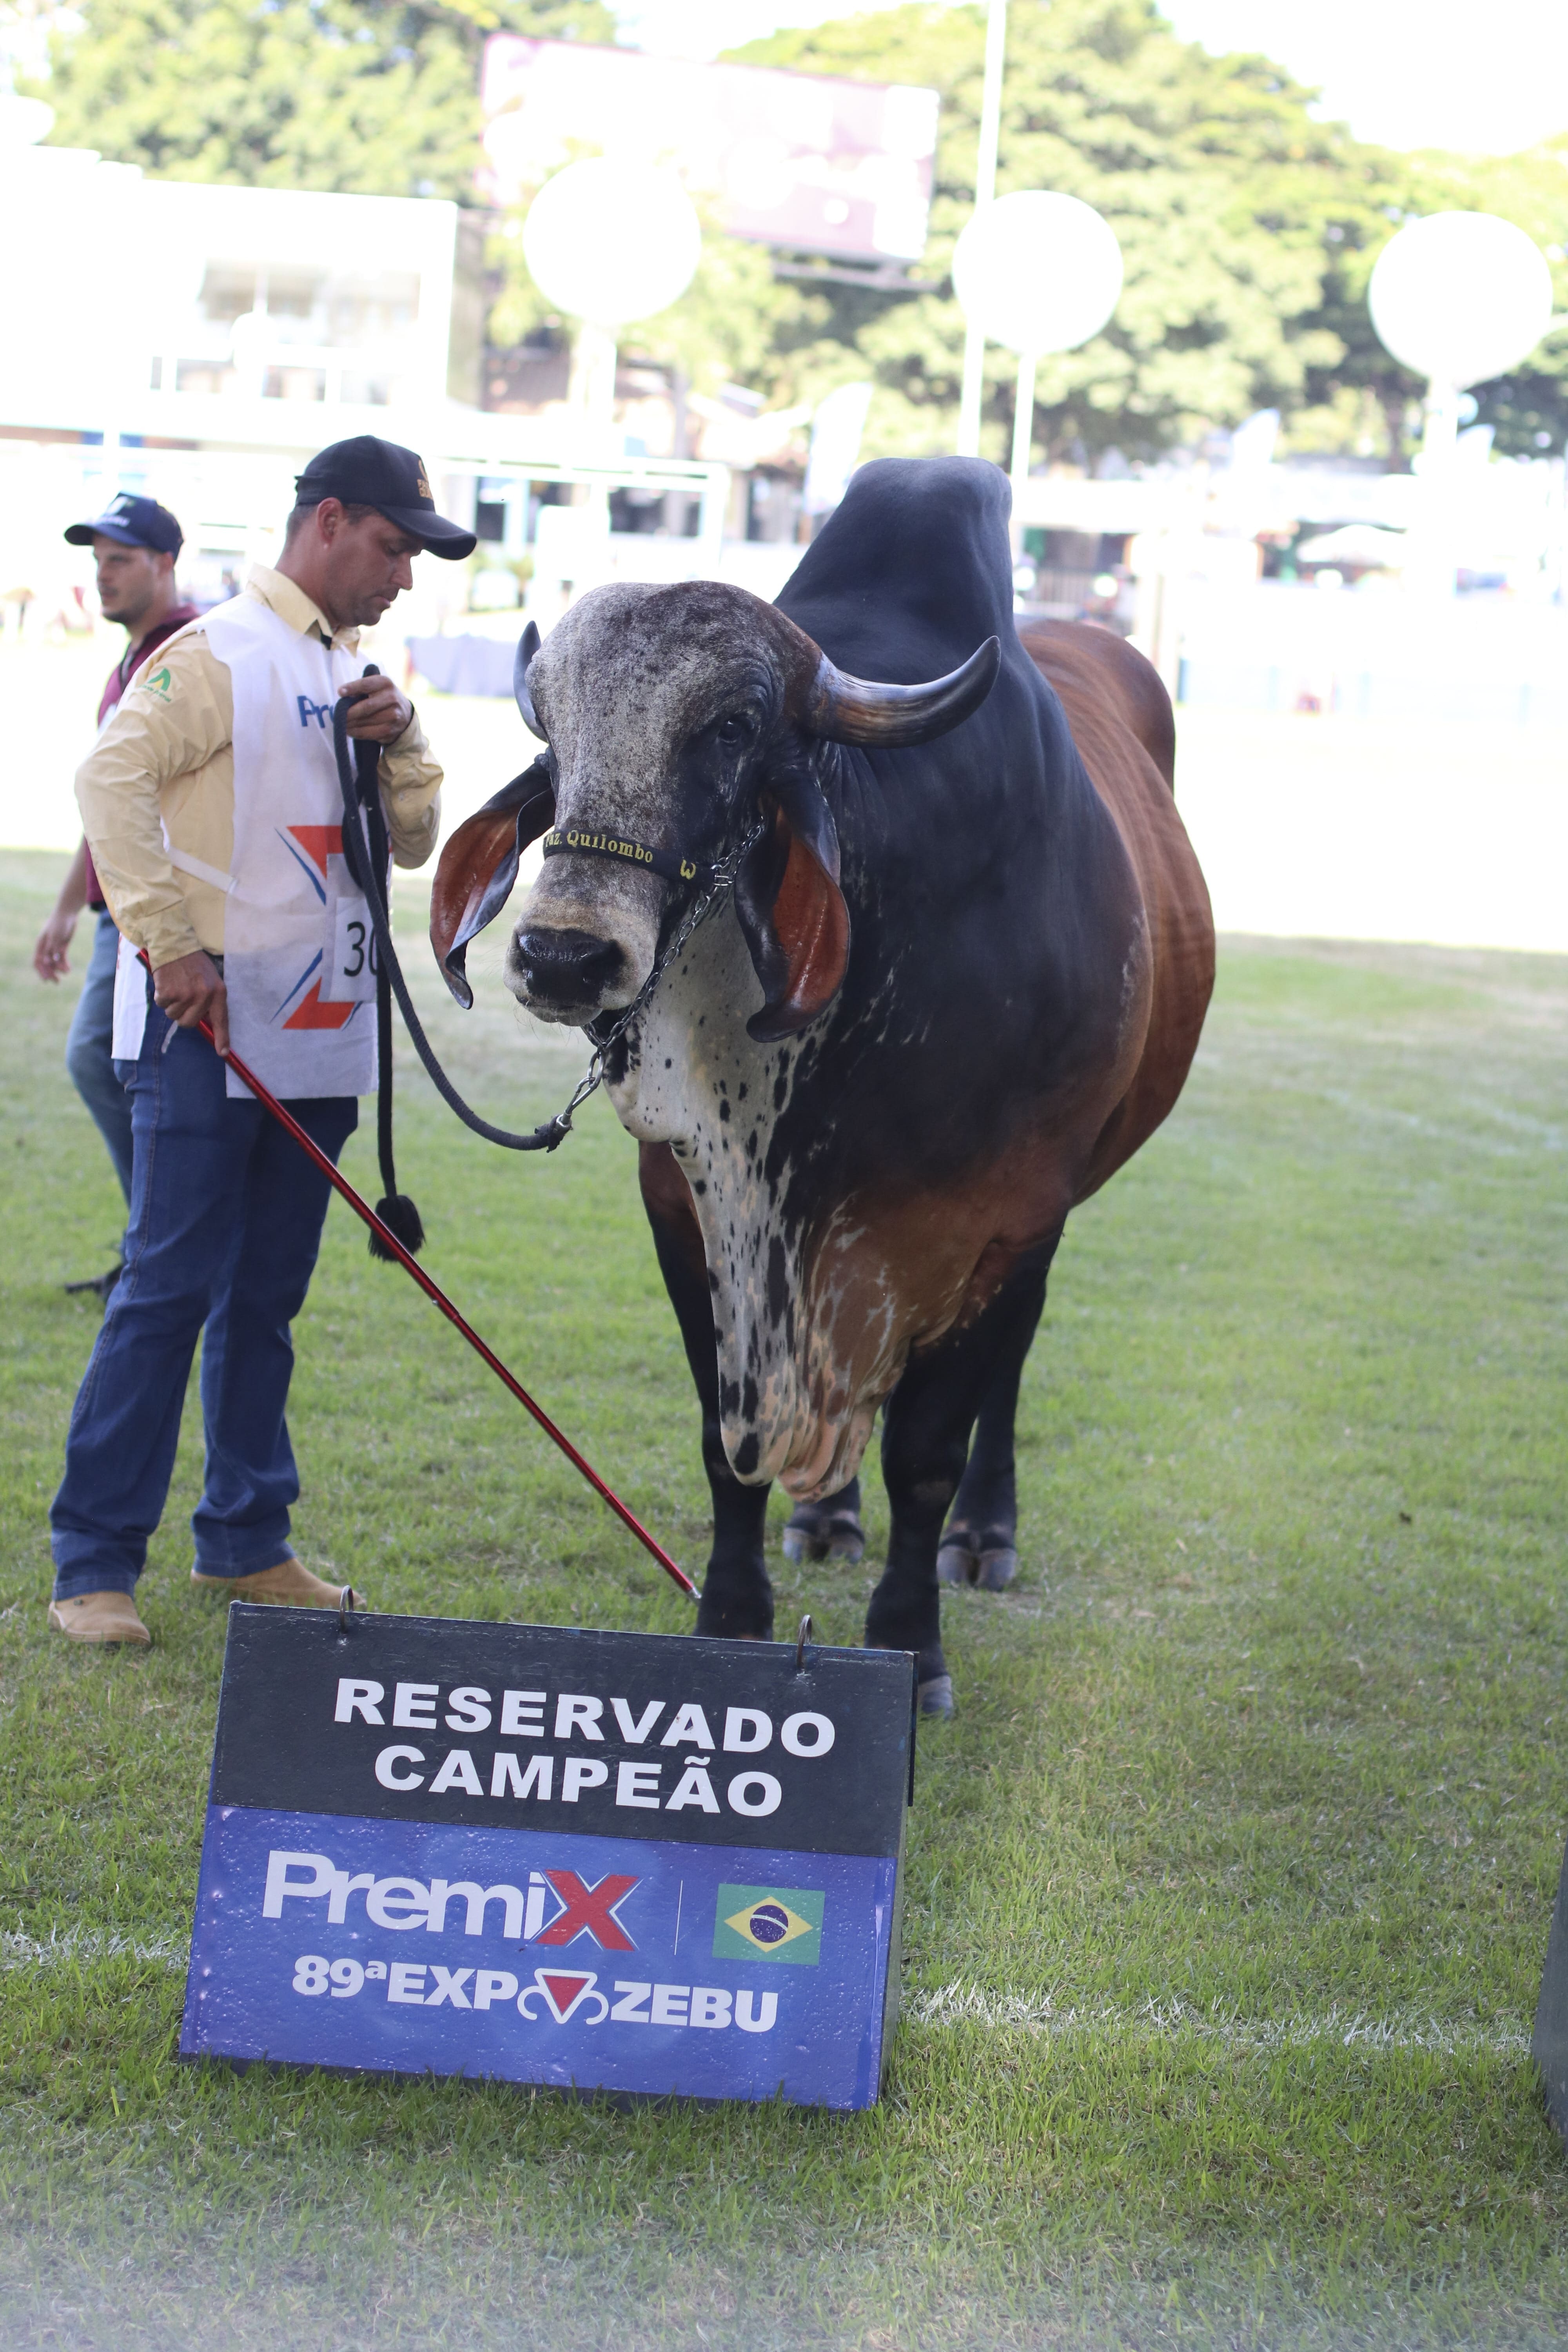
(912,572)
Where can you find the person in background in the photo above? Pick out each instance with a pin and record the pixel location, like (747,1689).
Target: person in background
(212,808)
(135,543)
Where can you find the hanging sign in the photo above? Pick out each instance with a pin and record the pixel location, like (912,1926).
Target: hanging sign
(627,1862)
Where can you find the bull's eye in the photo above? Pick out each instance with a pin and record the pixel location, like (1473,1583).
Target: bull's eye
(734,733)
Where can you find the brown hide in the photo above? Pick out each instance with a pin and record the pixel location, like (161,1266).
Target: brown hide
(1123,726)
(891,1272)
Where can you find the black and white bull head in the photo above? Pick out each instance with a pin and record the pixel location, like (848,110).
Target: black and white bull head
(677,718)
(674,717)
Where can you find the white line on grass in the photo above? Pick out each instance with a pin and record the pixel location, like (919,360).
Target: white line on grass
(79,1945)
(960,2004)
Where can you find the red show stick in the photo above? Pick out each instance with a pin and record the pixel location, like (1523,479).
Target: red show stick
(393,1247)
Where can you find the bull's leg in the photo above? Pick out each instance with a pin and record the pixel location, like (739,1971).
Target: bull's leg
(925,1442)
(737,1598)
(830,1529)
(979,1543)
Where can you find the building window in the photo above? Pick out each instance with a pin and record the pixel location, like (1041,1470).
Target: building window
(227,293)
(203,375)
(294,384)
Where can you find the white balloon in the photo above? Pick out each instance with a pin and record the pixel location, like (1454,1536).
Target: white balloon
(1460,296)
(610,241)
(23,120)
(1039,272)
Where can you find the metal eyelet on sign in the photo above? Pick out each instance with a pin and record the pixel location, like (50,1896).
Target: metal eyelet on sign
(803,1637)
(345,1607)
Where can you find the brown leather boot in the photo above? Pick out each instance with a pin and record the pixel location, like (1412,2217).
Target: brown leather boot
(291,1583)
(101,1617)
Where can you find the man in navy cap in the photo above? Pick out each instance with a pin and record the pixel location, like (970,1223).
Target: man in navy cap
(135,542)
(213,809)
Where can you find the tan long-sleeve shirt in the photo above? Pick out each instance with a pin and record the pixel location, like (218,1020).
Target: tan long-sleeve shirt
(160,777)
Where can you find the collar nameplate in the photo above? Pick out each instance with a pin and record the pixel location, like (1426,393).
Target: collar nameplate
(561,841)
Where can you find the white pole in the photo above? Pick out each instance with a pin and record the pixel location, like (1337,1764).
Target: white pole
(984,190)
(1431,564)
(592,388)
(1023,430)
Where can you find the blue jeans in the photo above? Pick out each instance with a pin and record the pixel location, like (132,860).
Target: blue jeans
(226,1221)
(87,1052)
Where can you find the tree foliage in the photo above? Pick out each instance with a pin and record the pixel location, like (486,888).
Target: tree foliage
(1249,227)
(365,97)
(1212,173)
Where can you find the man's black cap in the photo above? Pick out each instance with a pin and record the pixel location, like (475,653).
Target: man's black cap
(370,473)
(135,522)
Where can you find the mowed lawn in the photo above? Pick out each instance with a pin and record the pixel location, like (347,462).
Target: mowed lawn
(1228,1887)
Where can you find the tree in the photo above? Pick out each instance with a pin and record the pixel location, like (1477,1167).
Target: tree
(1212,172)
(1248,229)
(365,97)
(1528,410)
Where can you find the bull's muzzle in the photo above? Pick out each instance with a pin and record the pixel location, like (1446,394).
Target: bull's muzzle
(565,975)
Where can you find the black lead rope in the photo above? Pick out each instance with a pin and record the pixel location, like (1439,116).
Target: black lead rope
(366,851)
(363,809)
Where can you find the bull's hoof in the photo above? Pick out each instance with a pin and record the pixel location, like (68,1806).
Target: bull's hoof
(734,1621)
(955,1564)
(994,1571)
(934,1699)
(981,1558)
(810,1536)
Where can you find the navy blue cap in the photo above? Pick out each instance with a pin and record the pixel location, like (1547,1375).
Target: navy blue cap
(135,522)
(369,472)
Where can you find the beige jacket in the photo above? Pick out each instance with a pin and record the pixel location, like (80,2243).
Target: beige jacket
(160,777)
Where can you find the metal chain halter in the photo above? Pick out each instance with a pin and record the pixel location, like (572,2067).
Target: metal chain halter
(723,876)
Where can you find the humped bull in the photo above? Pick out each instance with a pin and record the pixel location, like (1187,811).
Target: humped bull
(959,979)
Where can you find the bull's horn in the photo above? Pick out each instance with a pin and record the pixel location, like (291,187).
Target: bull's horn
(527,646)
(855,710)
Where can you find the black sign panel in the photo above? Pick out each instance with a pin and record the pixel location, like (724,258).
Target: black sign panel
(612,1734)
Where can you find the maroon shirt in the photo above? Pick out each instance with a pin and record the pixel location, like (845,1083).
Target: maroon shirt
(120,677)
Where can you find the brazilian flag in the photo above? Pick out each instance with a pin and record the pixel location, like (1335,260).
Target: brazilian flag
(769,1923)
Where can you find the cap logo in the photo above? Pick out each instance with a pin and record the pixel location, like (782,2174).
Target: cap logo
(122,504)
(423,484)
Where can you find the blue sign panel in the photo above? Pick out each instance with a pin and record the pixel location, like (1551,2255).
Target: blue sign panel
(599,1861)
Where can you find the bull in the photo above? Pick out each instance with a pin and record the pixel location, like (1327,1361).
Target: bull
(959,979)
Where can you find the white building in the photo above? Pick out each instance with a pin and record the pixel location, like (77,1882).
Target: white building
(199,342)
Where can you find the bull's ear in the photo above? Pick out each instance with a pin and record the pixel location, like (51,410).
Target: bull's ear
(527,646)
(792,913)
(479,867)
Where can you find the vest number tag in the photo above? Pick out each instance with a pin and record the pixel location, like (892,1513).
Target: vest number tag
(353,963)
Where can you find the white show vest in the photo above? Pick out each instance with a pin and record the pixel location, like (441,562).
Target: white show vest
(298,950)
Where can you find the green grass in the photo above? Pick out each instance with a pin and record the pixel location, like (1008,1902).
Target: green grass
(1228,1888)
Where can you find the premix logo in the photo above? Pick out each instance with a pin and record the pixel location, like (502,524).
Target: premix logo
(556,1908)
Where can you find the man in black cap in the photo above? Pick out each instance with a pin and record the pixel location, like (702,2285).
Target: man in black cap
(213,809)
(136,543)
